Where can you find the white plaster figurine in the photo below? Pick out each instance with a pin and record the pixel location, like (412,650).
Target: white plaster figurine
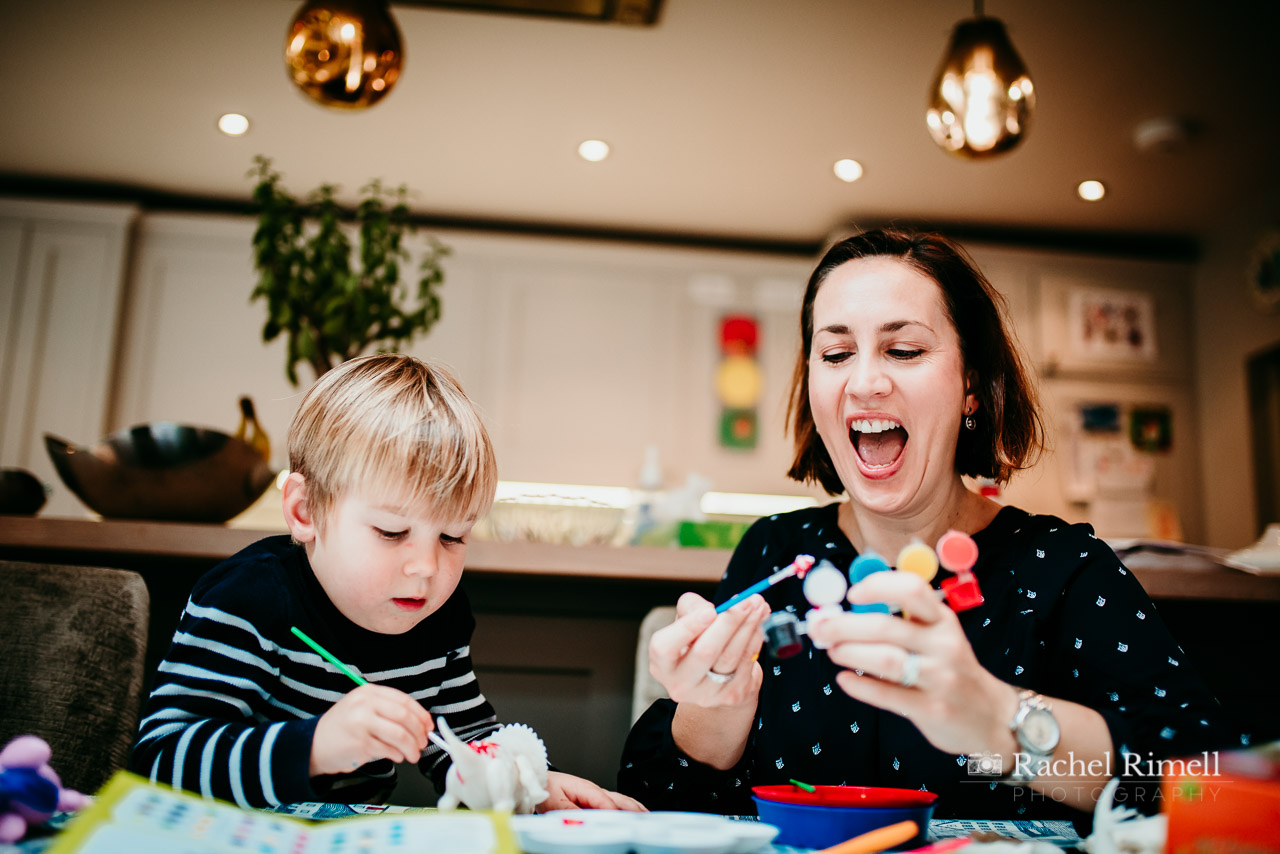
(506,772)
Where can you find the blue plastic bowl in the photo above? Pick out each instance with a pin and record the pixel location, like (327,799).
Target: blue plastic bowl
(821,824)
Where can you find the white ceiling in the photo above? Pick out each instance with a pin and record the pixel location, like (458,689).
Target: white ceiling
(725,117)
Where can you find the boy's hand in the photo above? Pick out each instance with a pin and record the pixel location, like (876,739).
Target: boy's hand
(372,722)
(569,792)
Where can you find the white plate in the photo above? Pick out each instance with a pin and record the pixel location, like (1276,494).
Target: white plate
(668,838)
(556,837)
(620,832)
(753,836)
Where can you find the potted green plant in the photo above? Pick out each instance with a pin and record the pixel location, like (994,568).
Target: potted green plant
(328,308)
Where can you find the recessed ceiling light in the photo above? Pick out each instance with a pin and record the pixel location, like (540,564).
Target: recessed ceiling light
(848,170)
(594,150)
(1091,191)
(233,124)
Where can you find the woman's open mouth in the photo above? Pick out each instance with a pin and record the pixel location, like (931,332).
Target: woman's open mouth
(878,444)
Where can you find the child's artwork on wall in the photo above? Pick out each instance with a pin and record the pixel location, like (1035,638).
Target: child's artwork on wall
(1100,418)
(1112,324)
(1151,429)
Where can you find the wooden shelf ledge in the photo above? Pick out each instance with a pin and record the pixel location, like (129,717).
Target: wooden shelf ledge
(100,540)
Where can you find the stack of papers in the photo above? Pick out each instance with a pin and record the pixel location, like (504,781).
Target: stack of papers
(132,815)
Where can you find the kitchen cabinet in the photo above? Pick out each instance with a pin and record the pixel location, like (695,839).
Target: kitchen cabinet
(62,270)
(579,354)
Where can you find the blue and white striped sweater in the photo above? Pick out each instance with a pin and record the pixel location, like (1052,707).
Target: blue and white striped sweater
(236,699)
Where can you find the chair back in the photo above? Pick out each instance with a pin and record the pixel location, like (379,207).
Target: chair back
(646,688)
(73,641)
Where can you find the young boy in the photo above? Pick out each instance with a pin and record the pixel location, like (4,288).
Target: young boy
(390,468)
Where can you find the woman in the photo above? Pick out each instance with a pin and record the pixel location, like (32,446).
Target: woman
(906,381)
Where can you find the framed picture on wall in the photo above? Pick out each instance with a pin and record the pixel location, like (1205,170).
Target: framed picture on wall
(1112,324)
(1264,272)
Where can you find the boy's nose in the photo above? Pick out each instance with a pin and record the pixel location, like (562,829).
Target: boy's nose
(421,563)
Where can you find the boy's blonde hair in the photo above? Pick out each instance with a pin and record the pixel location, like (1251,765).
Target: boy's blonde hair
(398,424)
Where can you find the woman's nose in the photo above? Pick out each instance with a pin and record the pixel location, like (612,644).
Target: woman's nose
(867,378)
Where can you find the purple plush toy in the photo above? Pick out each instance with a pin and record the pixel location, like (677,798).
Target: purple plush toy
(30,791)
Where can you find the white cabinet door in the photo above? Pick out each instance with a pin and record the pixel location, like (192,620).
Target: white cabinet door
(62,268)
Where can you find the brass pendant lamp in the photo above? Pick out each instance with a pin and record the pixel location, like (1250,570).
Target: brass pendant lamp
(982,97)
(344,53)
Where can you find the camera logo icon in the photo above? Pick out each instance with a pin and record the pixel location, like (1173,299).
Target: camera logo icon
(985,765)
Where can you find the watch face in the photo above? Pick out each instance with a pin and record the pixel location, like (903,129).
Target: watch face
(1039,731)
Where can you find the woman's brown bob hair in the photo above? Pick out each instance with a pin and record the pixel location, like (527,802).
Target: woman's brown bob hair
(1009,435)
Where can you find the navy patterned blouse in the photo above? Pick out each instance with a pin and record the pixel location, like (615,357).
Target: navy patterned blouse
(1061,616)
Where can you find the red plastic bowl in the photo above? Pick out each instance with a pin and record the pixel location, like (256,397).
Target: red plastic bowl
(831,814)
(846,796)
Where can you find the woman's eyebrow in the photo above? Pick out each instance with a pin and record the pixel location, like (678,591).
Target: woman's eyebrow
(891,326)
(896,325)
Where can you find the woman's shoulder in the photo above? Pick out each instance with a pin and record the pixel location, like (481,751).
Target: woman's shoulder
(1046,550)
(807,524)
(1017,527)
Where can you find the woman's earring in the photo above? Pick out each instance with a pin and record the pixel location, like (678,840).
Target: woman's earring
(970,423)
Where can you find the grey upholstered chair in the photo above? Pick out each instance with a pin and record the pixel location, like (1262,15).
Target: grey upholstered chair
(73,642)
(647,689)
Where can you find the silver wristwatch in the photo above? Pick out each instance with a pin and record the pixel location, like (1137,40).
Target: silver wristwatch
(1037,733)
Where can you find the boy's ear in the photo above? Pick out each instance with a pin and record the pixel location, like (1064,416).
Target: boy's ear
(297,510)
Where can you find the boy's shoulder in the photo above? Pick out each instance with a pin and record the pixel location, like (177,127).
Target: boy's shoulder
(255,580)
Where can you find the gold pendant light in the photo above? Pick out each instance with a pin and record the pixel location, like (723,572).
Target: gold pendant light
(344,53)
(982,97)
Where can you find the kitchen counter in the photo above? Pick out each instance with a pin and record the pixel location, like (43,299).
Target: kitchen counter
(131,543)
(556,626)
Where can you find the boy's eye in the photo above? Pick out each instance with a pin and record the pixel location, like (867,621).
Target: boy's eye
(391,535)
(451,541)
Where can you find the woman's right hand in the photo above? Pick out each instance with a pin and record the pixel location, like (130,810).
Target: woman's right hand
(692,656)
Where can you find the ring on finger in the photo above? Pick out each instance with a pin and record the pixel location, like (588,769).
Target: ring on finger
(719,678)
(910,670)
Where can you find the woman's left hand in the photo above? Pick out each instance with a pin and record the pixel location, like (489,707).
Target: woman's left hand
(566,792)
(918,665)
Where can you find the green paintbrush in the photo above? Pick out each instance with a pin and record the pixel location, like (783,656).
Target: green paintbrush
(328,656)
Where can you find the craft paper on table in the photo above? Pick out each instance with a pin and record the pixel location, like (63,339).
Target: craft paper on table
(131,814)
(1112,324)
